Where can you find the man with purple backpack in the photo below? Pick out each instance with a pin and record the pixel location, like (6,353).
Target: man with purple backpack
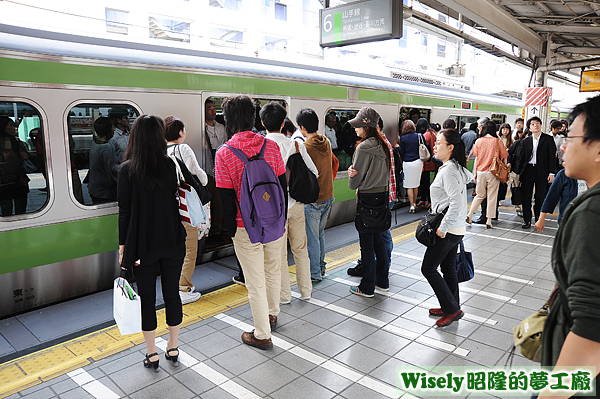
(250,175)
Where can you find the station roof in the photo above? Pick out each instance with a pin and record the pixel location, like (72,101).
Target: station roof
(568,31)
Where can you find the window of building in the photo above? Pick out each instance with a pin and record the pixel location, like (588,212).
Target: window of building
(441,49)
(442,18)
(341,134)
(273,43)
(23,161)
(280,11)
(235,5)
(116,21)
(310,12)
(169,29)
(226,37)
(403,41)
(98,137)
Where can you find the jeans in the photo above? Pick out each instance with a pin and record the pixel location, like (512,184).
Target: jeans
(316,217)
(372,246)
(443,254)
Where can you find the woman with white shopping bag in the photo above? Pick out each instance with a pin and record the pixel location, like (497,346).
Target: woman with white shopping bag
(175,135)
(151,237)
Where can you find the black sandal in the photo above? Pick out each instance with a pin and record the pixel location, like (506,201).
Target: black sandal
(172,358)
(151,364)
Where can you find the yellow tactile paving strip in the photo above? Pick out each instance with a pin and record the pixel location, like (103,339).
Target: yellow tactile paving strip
(35,368)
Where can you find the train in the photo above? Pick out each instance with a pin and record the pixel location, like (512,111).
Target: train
(61,245)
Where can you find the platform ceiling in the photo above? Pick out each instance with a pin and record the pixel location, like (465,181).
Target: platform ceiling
(568,29)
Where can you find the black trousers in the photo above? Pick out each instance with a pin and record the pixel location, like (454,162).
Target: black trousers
(443,254)
(424,185)
(529,180)
(145,275)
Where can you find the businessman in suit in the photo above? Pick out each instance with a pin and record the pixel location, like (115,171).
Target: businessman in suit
(539,159)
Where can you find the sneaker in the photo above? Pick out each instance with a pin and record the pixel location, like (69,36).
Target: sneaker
(316,280)
(192,289)
(356,271)
(382,289)
(305,298)
(189,297)
(238,280)
(285,302)
(358,292)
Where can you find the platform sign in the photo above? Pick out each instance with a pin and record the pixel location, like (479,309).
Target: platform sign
(360,22)
(537,103)
(590,80)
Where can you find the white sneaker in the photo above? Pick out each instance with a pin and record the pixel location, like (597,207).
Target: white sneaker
(285,302)
(189,297)
(192,289)
(305,298)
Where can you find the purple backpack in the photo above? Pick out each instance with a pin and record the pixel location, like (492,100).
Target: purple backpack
(262,202)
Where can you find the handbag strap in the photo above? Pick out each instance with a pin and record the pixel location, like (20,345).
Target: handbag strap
(565,305)
(180,177)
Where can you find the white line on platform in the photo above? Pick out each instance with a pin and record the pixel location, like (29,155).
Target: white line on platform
(210,374)
(486,273)
(91,385)
(339,369)
(514,230)
(510,239)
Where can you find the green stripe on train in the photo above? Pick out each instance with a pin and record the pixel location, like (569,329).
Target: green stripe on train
(59,73)
(26,248)
(405,98)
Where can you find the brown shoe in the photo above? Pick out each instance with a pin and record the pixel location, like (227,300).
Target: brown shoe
(249,339)
(273,322)
(449,318)
(436,312)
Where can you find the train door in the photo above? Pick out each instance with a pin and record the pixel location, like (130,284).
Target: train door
(414,114)
(463,121)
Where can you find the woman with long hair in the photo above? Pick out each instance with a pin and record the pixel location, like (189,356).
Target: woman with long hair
(514,165)
(484,150)
(411,163)
(151,237)
(175,135)
(370,175)
(505,135)
(448,191)
(423,127)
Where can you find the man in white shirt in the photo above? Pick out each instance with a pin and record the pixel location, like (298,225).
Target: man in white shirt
(120,120)
(330,132)
(273,116)
(215,135)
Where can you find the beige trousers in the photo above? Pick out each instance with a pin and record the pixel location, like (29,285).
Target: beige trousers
(261,264)
(295,231)
(189,262)
(487,186)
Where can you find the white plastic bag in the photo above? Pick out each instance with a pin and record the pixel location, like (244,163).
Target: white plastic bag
(204,227)
(127,308)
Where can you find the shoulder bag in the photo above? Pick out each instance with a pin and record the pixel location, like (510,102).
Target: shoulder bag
(302,183)
(426,230)
(190,206)
(372,220)
(499,168)
(194,181)
(424,154)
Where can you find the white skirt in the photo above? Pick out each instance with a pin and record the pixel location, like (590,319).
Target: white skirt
(412,173)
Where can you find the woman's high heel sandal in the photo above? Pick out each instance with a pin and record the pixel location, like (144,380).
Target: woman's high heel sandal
(151,364)
(172,358)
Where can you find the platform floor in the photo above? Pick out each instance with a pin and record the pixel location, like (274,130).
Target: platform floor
(337,345)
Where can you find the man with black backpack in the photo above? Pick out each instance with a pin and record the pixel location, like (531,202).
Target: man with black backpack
(302,173)
(250,175)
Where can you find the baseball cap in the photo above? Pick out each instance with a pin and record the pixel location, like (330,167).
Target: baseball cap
(367,116)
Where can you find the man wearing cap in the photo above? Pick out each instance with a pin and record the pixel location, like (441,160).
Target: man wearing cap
(539,152)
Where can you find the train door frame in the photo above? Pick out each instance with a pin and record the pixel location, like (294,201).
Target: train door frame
(412,106)
(50,179)
(67,146)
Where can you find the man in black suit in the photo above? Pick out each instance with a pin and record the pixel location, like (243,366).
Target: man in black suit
(539,160)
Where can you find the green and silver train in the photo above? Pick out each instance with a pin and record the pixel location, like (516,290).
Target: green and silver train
(53,86)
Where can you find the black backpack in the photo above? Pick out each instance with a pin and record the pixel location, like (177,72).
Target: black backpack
(302,183)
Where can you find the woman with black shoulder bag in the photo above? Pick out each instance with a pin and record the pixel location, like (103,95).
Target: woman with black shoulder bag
(370,175)
(448,191)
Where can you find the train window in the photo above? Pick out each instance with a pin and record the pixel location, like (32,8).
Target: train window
(498,118)
(98,137)
(463,122)
(413,114)
(23,167)
(341,134)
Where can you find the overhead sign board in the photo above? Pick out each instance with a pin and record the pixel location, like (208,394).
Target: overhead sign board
(590,80)
(361,22)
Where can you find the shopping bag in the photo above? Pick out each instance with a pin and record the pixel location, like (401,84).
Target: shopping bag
(204,227)
(465,270)
(127,308)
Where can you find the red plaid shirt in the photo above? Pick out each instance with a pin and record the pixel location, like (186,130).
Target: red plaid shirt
(229,168)
(392,169)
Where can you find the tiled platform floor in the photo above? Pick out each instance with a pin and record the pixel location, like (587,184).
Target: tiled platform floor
(339,345)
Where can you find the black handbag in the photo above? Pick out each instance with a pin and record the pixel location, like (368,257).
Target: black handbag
(428,226)
(303,185)
(515,197)
(465,270)
(372,220)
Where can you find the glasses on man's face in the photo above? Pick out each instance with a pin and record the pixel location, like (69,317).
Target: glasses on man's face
(568,139)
